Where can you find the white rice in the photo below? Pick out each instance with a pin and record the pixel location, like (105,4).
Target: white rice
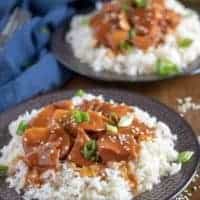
(157,159)
(138,62)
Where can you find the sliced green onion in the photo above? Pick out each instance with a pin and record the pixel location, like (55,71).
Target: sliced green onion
(3,170)
(184,42)
(111,128)
(185,156)
(85,21)
(113,118)
(126,46)
(80,116)
(80,93)
(165,67)
(126,121)
(125,7)
(131,34)
(85,117)
(141,3)
(23,125)
(77,116)
(90,150)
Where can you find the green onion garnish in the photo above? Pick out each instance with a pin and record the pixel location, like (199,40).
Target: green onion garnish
(131,34)
(85,21)
(165,67)
(111,128)
(185,156)
(89,150)
(141,3)
(23,125)
(125,7)
(113,118)
(125,46)
(3,170)
(80,93)
(184,43)
(80,116)
(125,121)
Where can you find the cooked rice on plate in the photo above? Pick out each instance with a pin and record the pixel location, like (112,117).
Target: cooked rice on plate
(146,37)
(88,149)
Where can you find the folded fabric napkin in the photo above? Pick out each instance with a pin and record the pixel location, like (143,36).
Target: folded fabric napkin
(27,68)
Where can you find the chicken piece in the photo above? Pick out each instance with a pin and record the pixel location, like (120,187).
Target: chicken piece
(61,140)
(59,134)
(92,170)
(43,118)
(43,157)
(62,119)
(105,108)
(158,4)
(144,42)
(93,105)
(96,122)
(142,20)
(117,148)
(65,105)
(123,22)
(172,18)
(138,129)
(100,27)
(34,136)
(76,154)
(33,178)
(112,24)
(60,116)
(115,38)
(113,7)
(105,27)
(119,110)
(142,132)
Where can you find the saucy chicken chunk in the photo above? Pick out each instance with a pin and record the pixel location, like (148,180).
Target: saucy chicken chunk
(123,23)
(87,135)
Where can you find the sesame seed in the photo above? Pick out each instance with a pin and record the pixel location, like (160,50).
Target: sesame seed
(52,151)
(66,147)
(43,157)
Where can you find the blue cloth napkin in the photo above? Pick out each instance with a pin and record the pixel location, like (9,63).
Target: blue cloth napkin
(27,68)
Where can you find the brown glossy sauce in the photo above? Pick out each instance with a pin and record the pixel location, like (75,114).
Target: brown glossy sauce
(53,137)
(112,25)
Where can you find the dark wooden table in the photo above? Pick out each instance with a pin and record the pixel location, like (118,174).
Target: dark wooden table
(165,91)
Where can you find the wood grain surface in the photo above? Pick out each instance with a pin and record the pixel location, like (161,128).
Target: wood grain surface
(167,92)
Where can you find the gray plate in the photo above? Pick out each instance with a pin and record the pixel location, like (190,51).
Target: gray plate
(65,55)
(170,186)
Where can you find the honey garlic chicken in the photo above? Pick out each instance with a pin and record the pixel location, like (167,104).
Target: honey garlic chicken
(123,24)
(91,148)
(93,133)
